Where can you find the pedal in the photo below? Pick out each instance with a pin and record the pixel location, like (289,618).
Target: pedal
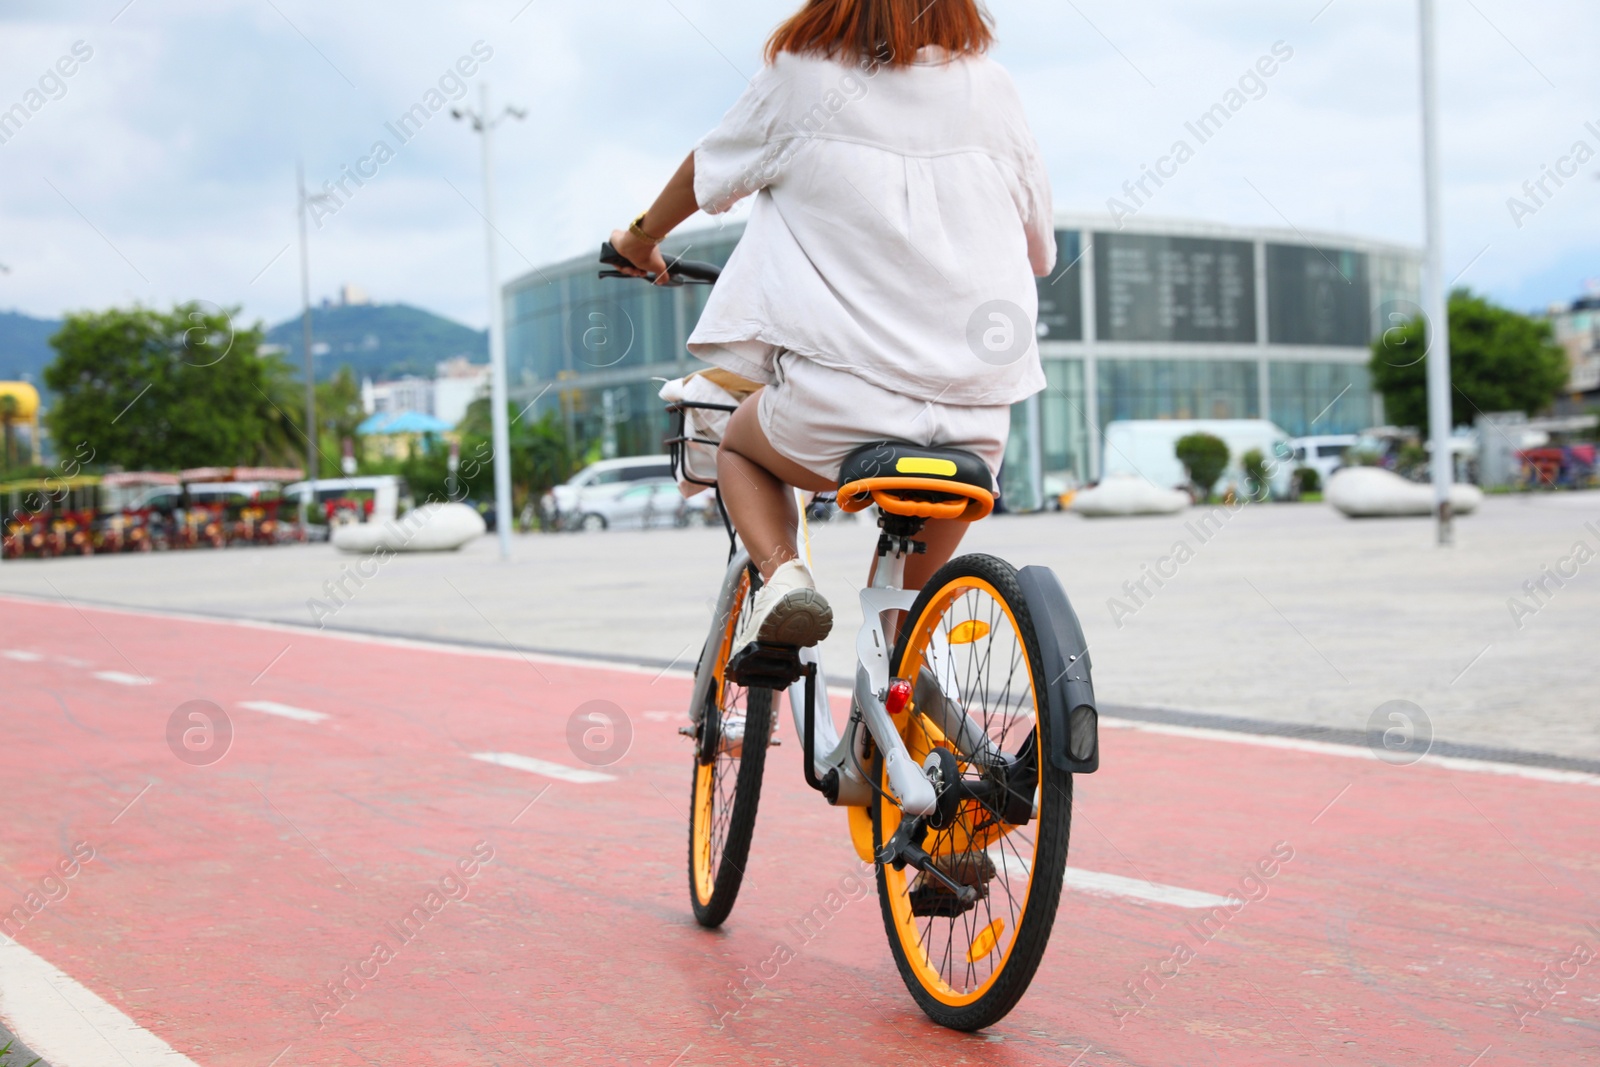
(935,901)
(762,666)
(951,897)
(931,896)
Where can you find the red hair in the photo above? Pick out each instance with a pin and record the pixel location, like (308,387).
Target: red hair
(887,31)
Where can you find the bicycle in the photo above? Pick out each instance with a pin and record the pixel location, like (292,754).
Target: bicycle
(950,764)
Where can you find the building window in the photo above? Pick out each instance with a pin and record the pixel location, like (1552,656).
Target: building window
(1150,288)
(1317,296)
(1017,488)
(1178,389)
(612,422)
(1064,426)
(1061,292)
(1320,398)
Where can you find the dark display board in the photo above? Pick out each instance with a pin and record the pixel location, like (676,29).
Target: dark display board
(1061,294)
(1317,296)
(1174,289)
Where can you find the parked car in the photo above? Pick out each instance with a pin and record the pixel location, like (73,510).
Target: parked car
(644,505)
(1324,453)
(586,490)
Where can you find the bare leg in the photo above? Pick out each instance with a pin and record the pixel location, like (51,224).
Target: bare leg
(754,482)
(943,537)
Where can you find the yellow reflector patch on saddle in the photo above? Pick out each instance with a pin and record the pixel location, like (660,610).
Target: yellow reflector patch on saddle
(967,632)
(984,943)
(925,465)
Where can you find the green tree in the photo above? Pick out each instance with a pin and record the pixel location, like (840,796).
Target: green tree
(339,410)
(151,390)
(8,411)
(539,459)
(1499,361)
(1204,456)
(283,414)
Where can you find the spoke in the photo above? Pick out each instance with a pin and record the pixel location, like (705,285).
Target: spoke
(1011,898)
(997,702)
(725,768)
(972,931)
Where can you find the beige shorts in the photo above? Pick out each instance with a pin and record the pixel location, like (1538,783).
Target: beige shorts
(816,416)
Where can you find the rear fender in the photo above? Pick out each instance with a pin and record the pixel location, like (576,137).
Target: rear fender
(1074,722)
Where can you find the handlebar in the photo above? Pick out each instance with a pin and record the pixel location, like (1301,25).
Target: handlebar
(679,271)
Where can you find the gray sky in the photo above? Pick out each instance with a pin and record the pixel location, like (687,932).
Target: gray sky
(163,167)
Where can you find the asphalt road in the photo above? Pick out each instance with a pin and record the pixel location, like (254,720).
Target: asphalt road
(227,911)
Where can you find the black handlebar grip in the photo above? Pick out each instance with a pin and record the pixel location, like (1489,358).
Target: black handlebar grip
(679,271)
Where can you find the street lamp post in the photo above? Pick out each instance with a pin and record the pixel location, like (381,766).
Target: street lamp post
(484,122)
(305,319)
(1436,306)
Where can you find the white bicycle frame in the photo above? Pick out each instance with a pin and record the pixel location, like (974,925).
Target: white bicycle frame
(845,756)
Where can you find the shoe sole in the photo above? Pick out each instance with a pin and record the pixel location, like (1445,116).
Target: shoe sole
(802,619)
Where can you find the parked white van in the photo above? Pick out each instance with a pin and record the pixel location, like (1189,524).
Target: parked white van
(601,481)
(1323,454)
(1148,448)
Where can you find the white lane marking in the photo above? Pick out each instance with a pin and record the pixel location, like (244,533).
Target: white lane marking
(665,716)
(122,678)
(287,711)
(1114,885)
(1515,770)
(66,1023)
(544,767)
(20,656)
(1324,748)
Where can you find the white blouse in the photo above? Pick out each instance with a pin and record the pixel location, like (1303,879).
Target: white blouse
(901,215)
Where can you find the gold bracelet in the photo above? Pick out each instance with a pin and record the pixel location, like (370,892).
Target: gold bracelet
(637,229)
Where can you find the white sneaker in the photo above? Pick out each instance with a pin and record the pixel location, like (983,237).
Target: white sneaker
(788,610)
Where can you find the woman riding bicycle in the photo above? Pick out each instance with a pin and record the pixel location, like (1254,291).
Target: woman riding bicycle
(901,214)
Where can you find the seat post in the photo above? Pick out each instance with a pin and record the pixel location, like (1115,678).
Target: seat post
(897,541)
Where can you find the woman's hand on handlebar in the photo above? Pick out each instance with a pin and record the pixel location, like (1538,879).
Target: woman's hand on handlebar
(645,257)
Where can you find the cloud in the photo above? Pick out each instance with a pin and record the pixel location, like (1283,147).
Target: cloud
(166,172)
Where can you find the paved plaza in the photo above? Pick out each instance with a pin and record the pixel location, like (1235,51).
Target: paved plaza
(1280,613)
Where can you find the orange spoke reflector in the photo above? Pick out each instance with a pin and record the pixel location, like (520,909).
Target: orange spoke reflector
(968,632)
(984,943)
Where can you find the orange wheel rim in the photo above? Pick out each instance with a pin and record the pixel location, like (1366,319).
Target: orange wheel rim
(715,780)
(958,959)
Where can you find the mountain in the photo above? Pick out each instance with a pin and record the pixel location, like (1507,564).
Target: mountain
(25,346)
(379,340)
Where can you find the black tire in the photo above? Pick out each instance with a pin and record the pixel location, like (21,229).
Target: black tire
(725,789)
(992,994)
(591,523)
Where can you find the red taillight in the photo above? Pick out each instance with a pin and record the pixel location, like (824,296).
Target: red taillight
(899,696)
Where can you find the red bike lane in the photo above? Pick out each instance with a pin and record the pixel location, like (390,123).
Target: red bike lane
(349,885)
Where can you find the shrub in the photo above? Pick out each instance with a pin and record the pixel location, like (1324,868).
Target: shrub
(1307,480)
(1258,484)
(1412,461)
(1204,456)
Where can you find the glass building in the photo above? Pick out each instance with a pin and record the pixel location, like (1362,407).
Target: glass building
(1154,320)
